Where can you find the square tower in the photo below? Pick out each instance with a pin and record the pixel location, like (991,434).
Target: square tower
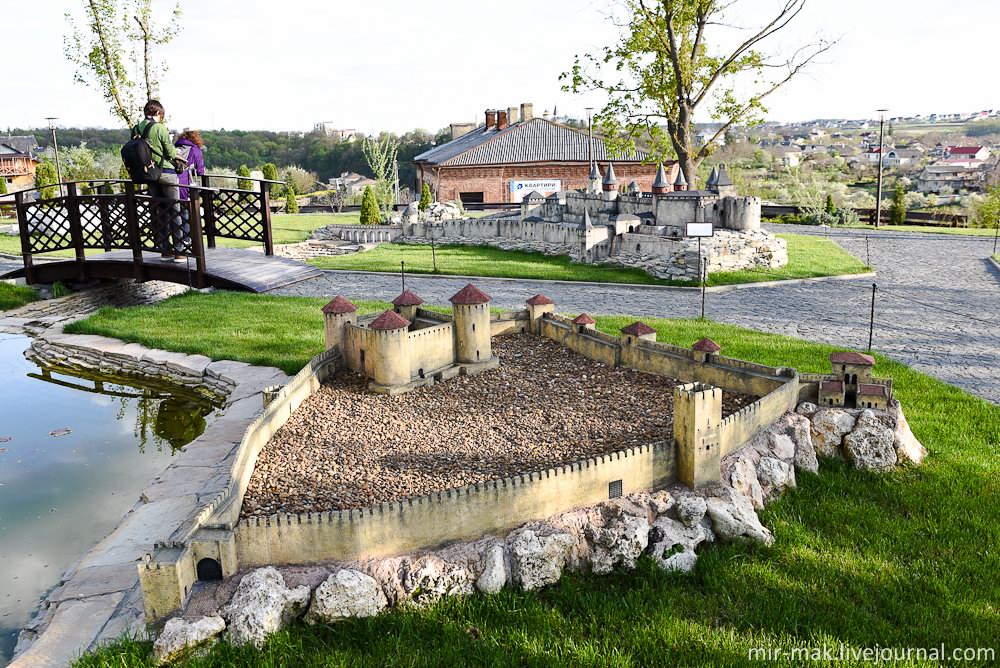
(697,420)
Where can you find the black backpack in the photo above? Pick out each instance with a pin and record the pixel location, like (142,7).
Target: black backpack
(138,157)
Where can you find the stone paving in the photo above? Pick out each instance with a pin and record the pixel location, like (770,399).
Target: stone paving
(938,306)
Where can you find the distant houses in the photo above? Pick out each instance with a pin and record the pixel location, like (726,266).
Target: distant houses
(18,161)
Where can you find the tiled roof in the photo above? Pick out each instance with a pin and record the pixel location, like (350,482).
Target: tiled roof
(584,319)
(408,298)
(25,144)
(535,140)
(852,358)
(832,385)
(964,150)
(539,300)
(469,295)
(389,320)
(339,305)
(706,345)
(872,390)
(638,329)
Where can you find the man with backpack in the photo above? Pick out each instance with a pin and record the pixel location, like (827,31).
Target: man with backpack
(158,171)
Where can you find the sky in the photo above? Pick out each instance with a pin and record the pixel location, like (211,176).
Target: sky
(398,64)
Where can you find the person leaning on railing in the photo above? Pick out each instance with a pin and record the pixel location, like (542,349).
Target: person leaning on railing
(168,227)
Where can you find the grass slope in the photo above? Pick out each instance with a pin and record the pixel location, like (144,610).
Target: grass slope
(808,257)
(13,296)
(900,559)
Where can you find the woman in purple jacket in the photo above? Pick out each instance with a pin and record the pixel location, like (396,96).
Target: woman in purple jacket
(189,147)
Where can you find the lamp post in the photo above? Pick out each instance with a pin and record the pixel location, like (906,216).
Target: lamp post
(881,152)
(55,148)
(590,136)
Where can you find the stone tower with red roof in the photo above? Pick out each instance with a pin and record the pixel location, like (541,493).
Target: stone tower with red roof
(473,344)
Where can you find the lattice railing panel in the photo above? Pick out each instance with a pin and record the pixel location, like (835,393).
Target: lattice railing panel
(238,215)
(104,222)
(161,226)
(48,226)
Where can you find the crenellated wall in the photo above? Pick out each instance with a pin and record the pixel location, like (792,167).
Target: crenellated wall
(430,349)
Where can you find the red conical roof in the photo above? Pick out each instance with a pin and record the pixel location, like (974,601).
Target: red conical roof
(388,321)
(584,319)
(408,298)
(706,345)
(539,300)
(469,295)
(339,306)
(638,329)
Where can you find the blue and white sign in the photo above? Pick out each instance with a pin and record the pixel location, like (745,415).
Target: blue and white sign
(518,189)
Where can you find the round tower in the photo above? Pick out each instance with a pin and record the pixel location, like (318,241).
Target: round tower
(610,184)
(336,316)
(389,365)
(661,186)
(407,304)
(471,307)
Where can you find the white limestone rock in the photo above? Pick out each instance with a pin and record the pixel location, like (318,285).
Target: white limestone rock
(870,445)
(691,510)
(783,447)
(346,593)
(430,578)
(262,605)
(672,544)
(538,556)
(798,428)
(733,517)
(907,447)
(829,426)
(745,481)
(615,538)
(180,635)
(775,476)
(494,575)
(807,409)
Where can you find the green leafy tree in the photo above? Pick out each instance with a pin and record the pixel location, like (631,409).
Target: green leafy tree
(369,208)
(244,184)
(3,185)
(291,203)
(381,154)
(425,197)
(988,210)
(665,70)
(45,179)
(898,209)
(831,208)
(270,172)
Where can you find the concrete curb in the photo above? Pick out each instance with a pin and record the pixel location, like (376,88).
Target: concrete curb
(631,286)
(996,265)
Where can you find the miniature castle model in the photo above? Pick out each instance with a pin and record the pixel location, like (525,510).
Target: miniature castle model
(646,230)
(852,385)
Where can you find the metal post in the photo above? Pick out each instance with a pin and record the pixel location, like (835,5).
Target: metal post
(871,323)
(701,278)
(434,254)
(881,152)
(402,274)
(590,137)
(996,233)
(868,253)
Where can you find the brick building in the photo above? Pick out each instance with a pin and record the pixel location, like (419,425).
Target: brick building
(513,154)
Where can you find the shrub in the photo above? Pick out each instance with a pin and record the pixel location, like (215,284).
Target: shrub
(898,208)
(244,184)
(291,203)
(270,172)
(3,185)
(425,197)
(831,208)
(369,208)
(45,179)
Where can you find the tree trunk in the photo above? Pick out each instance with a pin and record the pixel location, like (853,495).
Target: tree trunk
(680,136)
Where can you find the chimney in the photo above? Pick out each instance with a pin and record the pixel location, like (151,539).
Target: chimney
(501,120)
(461,129)
(491,118)
(512,115)
(527,111)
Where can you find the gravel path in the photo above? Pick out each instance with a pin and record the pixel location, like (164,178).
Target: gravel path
(348,448)
(938,307)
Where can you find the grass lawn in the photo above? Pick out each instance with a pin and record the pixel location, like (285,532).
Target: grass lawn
(929,229)
(900,559)
(296,227)
(808,257)
(13,296)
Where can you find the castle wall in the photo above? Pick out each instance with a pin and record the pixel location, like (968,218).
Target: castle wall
(356,340)
(453,515)
(430,349)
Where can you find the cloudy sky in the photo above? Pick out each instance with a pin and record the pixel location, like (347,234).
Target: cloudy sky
(400,64)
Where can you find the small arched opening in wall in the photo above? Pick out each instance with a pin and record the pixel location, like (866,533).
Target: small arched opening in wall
(638,248)
(420,372)
(209,570)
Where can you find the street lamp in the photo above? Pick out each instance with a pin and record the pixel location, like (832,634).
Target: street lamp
(55,148)
(881,152)
(590,135)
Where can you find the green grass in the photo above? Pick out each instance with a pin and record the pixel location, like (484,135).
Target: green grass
(14,296)
(296,227)
(808,257)
(900,559)
(929,229)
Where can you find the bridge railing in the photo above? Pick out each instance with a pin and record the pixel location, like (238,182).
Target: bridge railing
(111,214)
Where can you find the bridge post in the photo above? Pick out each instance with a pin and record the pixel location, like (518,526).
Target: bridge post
(197,240)
(76,228)
(265,211)
(103,204)
(132,218)
(209,206)
(22,227)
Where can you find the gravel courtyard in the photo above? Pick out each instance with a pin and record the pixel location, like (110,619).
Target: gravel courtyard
(348,448)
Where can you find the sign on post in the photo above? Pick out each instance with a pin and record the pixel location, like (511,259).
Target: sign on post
(699,230)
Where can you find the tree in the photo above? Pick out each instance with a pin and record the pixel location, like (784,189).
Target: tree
(425,197)
(898,209)
(3,185)
(369,208)
(270,172)
(103,44)
(988,210)
(244,184)
(381,154)
(663,70)
(291,203)
(45,179)
(304,182)
(831,208)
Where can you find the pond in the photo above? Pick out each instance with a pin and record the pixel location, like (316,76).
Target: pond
(75,453)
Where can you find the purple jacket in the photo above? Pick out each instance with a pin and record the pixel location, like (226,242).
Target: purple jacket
(196,164)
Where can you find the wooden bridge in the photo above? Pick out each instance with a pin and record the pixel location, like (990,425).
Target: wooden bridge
(117,230)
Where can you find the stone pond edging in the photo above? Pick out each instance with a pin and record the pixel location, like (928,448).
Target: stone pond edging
(99,597)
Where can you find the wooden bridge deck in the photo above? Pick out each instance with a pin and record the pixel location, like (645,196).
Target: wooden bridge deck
(226,268)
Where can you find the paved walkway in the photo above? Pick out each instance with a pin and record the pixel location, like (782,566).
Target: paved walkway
(938,307)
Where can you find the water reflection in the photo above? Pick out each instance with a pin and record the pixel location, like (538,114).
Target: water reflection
(59,495)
